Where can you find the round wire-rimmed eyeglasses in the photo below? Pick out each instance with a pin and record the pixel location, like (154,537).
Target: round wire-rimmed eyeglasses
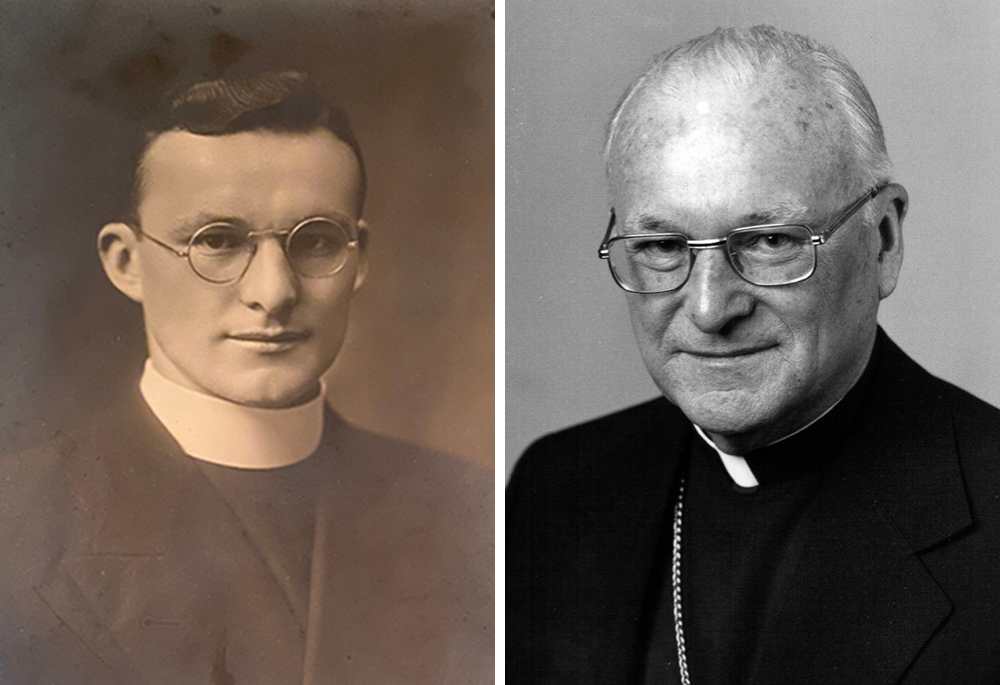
(221,252)
(765,255)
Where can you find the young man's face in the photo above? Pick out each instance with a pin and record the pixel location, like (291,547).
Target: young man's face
(265,339)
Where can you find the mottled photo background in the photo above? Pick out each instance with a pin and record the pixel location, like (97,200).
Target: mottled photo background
(417,80)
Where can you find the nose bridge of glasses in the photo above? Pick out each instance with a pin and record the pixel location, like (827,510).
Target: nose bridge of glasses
(252,247)
(253,238)
(268,272)
(712,244)
(724,269)
(714,292)
(707,243)
(280,241)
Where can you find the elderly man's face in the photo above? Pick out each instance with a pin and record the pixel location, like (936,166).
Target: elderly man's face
(749,363)
(266,339)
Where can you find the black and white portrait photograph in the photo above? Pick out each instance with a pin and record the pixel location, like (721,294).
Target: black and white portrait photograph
(247,342)
(749,437)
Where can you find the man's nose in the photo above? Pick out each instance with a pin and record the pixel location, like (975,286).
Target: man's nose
(269,283)
(715,295)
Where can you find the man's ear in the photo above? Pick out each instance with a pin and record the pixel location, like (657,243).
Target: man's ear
(117,244)
(362,271)
(890,230)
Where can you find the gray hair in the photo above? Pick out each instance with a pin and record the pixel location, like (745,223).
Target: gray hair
(739,56)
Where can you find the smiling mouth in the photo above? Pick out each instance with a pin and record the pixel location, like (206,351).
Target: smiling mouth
(269,341)
(727,354)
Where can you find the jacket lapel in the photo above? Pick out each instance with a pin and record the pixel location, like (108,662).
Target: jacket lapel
(159,566)
(860,604)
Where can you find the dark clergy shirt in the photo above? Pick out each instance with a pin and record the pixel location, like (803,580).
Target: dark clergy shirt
(275,508)
(739,550)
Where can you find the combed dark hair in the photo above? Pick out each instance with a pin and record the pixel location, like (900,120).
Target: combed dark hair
(281,101)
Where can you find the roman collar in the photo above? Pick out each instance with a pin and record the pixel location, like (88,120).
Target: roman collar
(221,432)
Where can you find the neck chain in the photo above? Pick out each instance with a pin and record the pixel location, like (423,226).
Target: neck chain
(675,581)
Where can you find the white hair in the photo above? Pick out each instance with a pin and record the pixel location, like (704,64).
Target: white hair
(738,57)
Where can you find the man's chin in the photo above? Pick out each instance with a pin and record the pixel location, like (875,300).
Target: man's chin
(728,413)
(270,393)
(284,400)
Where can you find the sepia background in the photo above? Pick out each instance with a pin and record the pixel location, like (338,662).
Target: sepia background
(417,79)
(933,69)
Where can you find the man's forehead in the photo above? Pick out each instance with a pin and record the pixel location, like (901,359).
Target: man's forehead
(773,128)
(781,99)
(183,148)
(187,170)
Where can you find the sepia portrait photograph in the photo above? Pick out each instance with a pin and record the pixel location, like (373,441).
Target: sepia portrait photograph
(247,342)
(749,437)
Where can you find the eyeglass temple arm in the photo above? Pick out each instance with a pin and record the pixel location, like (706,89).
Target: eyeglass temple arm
(602,251)
(848,213)
(179,253)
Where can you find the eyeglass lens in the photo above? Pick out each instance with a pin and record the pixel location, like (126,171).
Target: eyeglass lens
(222,252)
(774,255)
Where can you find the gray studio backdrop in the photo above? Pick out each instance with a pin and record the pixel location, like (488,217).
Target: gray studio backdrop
(933,68)
(418,81)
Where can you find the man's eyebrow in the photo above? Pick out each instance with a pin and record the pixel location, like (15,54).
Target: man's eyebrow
(187,227)
(645,223)
(782,212)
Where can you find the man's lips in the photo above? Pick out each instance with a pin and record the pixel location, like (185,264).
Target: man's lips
(727,353)
(273,337)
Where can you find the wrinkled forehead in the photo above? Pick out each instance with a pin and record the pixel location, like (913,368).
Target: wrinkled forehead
(781,126)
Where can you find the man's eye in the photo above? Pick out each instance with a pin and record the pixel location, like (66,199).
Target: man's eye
(318,239)
(653,248)
(774,242)
(221,240)
(308,242)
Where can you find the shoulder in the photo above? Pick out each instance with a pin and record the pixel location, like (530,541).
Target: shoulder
(942,435)
(433,508)
(55,493)
(976,427)
(595,445)
(70,454)
(907,388)
(623,457)
(45,496)
(89,446)
(406,466)
(403,480)
(32,482)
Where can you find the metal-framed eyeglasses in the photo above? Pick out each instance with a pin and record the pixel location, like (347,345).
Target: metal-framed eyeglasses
(766,255)
(221,252)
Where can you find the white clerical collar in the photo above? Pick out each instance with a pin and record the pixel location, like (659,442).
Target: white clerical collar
(221,432)
(737,466)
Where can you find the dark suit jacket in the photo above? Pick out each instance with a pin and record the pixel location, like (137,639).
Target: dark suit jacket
(899,583)
(120,562)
